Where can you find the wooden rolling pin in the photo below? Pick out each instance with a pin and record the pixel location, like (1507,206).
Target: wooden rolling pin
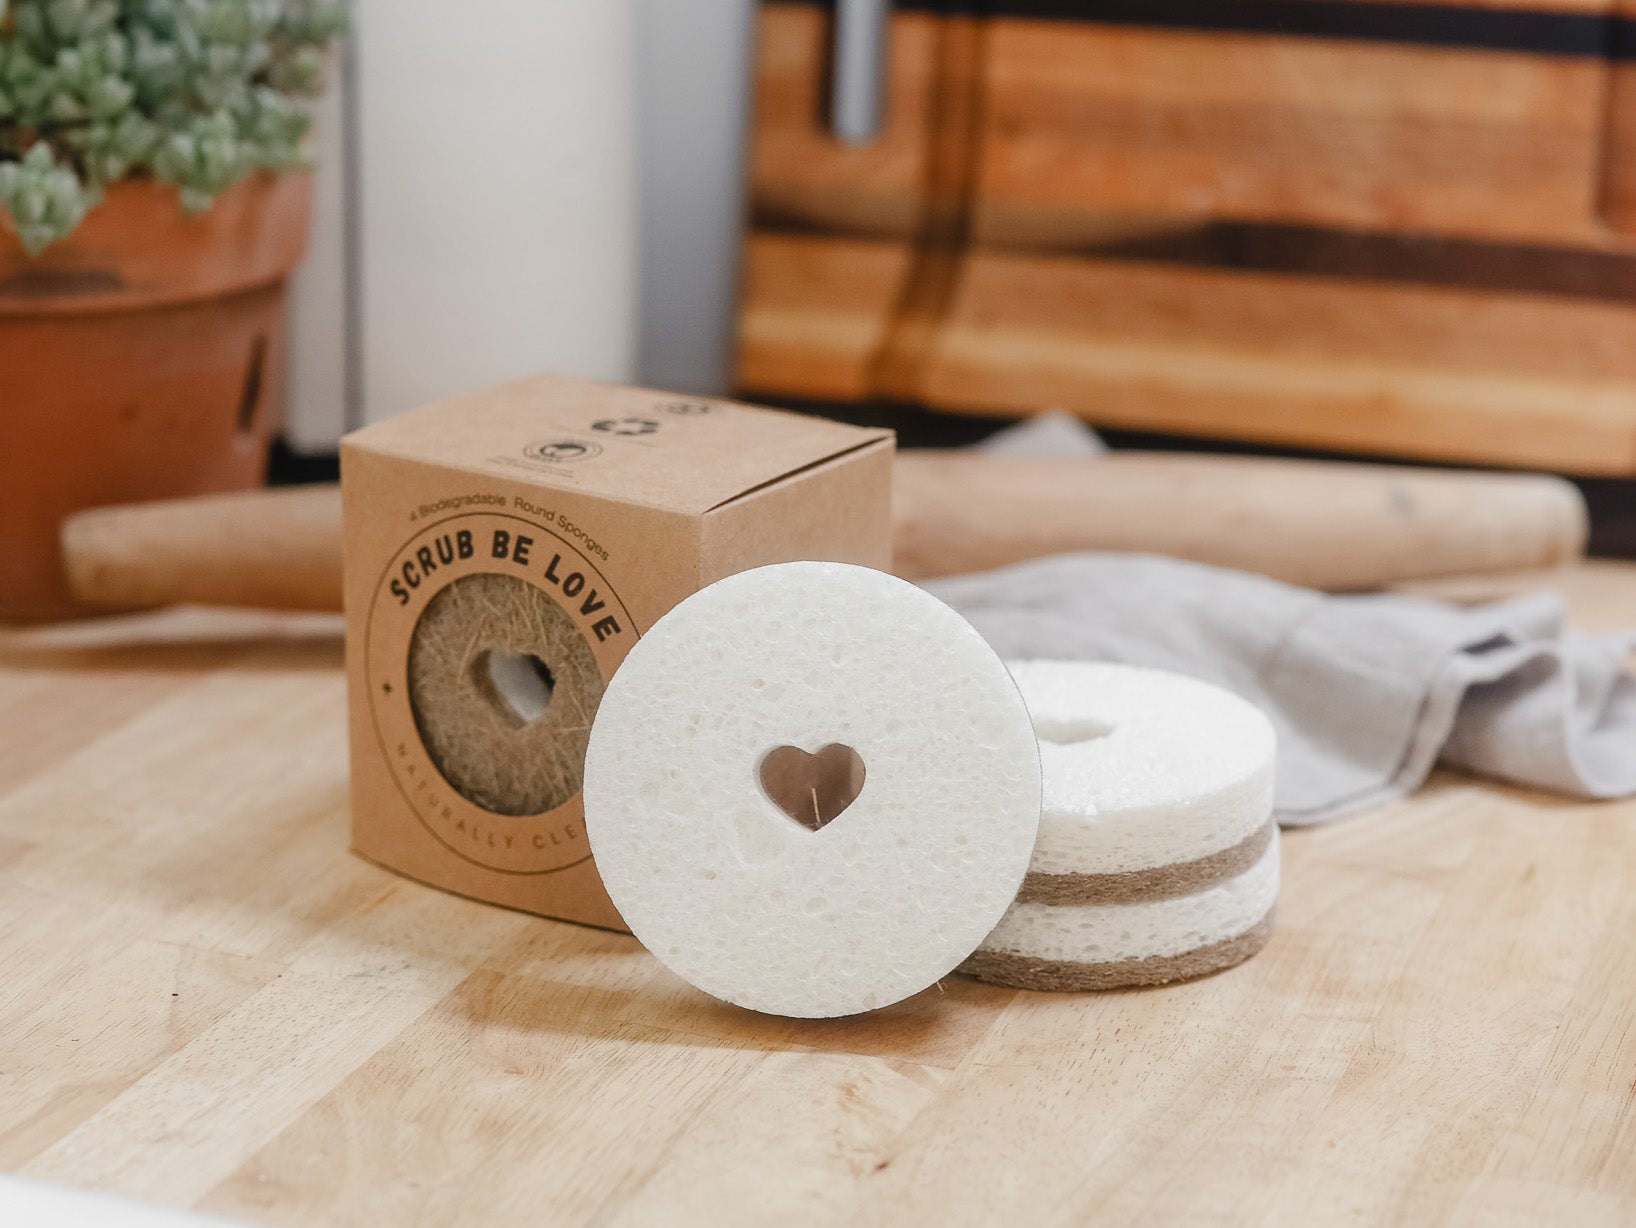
(1322,524)
(279,549)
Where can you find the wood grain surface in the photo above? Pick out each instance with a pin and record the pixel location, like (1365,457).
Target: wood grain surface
(1335,133)
(1618,204)
(978,255)
(1443,373)
(1081,119)
(208,1002)
(798,169)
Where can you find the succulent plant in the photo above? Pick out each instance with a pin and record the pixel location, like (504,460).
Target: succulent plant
(198,93)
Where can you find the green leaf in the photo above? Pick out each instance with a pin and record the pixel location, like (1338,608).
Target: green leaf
(110,95)
(198,93)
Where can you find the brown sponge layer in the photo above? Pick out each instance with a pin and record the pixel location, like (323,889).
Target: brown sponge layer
(1025,972)
(1157,883)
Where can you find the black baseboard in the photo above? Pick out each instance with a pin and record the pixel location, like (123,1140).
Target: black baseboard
(287,467)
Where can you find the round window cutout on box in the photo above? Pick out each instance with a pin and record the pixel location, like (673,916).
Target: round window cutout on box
(503,688)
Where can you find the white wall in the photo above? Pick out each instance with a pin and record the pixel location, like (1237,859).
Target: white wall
(513,186)
(693,92)
(496,214)
(315,381)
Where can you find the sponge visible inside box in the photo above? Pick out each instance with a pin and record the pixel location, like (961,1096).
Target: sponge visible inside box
(503,688)
(504,551)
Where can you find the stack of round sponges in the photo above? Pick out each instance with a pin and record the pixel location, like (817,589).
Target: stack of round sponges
(1157,855)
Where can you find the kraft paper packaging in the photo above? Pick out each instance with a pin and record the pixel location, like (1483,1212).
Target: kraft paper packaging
(504,552)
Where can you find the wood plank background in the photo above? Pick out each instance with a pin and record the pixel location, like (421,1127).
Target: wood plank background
(1292,359)
(983,254)
(208,1002)
(1081,118)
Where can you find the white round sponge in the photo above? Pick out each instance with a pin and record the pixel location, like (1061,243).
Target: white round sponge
(1140,942)
(1143,768)
(758,900)
(1142,929)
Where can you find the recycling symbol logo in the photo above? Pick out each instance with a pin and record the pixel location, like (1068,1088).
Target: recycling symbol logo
(626,426)
(562,451)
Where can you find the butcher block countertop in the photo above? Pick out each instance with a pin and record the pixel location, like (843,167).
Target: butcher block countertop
(206,1002)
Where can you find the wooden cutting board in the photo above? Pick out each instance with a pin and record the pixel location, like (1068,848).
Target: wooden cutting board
(1404,229)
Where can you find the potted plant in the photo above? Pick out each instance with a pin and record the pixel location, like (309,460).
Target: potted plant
(148,221)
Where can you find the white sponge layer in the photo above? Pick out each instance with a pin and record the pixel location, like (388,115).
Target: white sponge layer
(1142,768)
(738,898)
(1108,933)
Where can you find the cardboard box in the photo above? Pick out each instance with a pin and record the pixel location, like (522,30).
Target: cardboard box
(604,506)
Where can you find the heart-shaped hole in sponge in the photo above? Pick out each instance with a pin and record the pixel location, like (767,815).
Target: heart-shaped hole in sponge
(518,685)
(812,789)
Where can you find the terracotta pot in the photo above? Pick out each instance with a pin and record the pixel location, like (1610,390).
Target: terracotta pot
(140,358)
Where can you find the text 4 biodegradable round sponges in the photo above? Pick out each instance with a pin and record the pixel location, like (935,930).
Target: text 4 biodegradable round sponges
(812,789)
